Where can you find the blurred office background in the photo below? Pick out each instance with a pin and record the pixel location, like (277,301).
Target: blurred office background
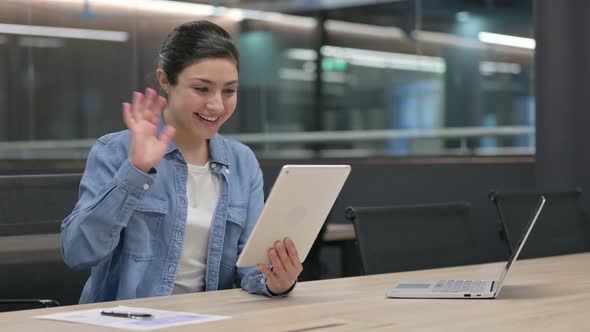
(319,79)
(429,100)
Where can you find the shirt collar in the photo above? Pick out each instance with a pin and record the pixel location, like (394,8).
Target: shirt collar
(218,150)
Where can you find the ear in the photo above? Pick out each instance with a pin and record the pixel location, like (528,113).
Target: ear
(163,80)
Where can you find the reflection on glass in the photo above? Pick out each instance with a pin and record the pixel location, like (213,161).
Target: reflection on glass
(392,79)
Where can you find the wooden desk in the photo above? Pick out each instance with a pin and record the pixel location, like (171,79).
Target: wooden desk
(548,294)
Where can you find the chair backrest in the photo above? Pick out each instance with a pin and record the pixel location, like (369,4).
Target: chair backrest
(36,204)
(24,304)
(413,237)
(562,228)
(32,269)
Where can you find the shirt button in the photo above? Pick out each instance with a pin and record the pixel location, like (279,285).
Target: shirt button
(146,186)
(213,165)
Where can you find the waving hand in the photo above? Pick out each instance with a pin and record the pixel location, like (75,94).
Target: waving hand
(142,117)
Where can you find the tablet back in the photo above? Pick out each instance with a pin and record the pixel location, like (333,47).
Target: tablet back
(296,208)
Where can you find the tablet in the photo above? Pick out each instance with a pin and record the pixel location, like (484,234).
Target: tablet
(296,208)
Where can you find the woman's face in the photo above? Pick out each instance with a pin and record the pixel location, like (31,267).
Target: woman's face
(204,97)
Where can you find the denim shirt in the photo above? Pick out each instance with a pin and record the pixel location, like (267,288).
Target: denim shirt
(128,226)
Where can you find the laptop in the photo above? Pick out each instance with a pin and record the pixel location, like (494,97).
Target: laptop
(467,289)
(297,206)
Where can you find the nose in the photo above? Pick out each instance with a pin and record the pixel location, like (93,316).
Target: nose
(215,103)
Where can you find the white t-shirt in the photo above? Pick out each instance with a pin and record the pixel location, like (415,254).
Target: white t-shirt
(202,191)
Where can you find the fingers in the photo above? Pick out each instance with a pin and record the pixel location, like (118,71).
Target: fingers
(167,135)
(285,260)
(137,106)
(149,96)
(149,107)
(128,116)
(286,266)
(293,255)
(159,106)
(154,106)
(282,253)
(277,265)
(266,271)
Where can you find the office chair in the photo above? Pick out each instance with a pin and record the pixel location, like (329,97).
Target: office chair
(562,228)
(33,274)
(413,237)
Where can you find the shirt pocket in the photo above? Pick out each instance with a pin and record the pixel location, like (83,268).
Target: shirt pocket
(236,220)
(141,236)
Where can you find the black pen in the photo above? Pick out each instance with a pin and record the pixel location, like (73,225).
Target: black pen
(123,314)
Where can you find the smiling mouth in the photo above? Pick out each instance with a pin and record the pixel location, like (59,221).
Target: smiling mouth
(208,118)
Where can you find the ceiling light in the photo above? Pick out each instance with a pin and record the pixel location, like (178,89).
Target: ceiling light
(365,29)
(507,40)
(378,59)
(60,32)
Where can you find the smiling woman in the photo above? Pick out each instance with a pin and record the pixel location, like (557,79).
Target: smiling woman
(203,98)
(155,201)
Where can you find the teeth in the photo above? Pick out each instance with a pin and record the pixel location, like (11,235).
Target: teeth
(208,118)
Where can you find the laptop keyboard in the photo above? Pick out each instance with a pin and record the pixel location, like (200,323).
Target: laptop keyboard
(460,286)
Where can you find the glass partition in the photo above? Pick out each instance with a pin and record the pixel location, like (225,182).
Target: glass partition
(342,79)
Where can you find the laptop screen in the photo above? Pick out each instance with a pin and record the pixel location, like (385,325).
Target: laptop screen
(522,240)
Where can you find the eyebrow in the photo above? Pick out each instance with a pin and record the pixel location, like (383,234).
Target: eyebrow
(204,80)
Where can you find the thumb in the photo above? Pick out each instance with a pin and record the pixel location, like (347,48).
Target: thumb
(167,135)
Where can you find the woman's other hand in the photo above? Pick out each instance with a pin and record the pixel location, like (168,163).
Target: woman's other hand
(142,118)
(286,267)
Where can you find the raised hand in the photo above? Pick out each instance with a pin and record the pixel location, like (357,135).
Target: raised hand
(286,267)
(142,118)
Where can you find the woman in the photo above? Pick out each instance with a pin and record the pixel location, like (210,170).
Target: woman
(166,206)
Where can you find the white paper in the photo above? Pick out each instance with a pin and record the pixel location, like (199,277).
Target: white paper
(161,318)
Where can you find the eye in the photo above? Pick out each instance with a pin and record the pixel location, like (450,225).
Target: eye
(202,89)
(230,91)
